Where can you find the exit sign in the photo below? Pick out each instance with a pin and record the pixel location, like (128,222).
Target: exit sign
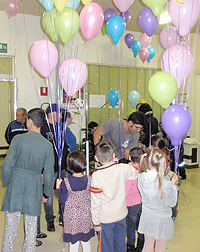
(3,48)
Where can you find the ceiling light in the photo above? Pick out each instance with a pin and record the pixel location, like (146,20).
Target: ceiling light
(164,18)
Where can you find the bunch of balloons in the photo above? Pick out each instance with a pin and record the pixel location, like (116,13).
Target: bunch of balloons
(61,4)
(141,46)
(177,58)
(73,72)
(115,24)
(66,22)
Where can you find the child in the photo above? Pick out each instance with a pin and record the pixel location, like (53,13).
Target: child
(108,198)
(73,193)
(133,202)
(158,196)
(158,142)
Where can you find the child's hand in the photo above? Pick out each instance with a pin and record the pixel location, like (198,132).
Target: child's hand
(97,228)
(44,200)
(58,183)
(174,179)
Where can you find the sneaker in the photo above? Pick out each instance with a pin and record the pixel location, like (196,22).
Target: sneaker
(130,248)
(140,244)
(41,235)
(50,225)
(38,243)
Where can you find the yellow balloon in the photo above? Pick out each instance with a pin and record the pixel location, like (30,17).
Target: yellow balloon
(86,1)
(48,24)
(179,1)
(60,4)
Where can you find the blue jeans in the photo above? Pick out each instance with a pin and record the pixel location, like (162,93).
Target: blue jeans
(132,221)
(114,236)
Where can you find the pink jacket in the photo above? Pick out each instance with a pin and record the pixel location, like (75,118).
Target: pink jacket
(132,193)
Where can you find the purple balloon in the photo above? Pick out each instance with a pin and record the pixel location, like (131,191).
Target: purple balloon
(126,16)
(109,13)
(176,121)
(128,39)
(147,21)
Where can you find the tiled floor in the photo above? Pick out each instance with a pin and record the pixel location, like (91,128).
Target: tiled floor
(187,224)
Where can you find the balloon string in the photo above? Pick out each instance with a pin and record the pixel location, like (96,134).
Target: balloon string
(196,36)
(161,50)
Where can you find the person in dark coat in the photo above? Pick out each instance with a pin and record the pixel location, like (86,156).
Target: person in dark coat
(152,122)
(27,156)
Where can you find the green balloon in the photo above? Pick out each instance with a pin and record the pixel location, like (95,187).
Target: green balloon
(103,29)
(48,24)
(67,24)
(129,112)
(155,5)
(162,88)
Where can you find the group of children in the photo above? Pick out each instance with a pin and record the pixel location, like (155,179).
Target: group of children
(124,198)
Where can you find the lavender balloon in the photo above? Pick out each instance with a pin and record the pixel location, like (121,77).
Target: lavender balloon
(126,16)
(109,13)
(128,39)
(147,21)
(176,121)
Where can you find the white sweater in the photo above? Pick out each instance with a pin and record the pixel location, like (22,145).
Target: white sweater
(108,192)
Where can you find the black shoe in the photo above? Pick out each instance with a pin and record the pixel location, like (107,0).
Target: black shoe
(41,235)
(50,225)
(38,243)
(140,244)
(130,248)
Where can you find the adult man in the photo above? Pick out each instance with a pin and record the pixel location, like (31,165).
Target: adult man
(17,126)
(122,134)
(28,155)
(50,131)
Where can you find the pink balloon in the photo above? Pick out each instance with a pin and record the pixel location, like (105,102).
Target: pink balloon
(145,40)
(184,15)
(12,8)
(168,37)
(91,20)
(144,54)
(177,61)
(73,75)
(123,5)
(44,57)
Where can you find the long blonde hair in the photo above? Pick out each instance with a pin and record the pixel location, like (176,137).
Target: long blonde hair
(155,158)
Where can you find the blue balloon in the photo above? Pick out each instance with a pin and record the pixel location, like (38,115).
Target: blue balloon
(113,97)
(73,4)
(135,47)
(115,27)
(133,97)
(152,53)
(48,4)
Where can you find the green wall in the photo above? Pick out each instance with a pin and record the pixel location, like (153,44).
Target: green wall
(102,79)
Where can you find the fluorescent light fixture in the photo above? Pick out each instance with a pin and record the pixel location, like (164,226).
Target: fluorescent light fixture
(164,18)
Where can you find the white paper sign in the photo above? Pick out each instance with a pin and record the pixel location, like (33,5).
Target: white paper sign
(97,101)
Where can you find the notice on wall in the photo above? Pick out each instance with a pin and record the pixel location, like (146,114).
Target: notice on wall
(97,101)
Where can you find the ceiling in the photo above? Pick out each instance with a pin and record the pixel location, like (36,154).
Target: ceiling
(34,7)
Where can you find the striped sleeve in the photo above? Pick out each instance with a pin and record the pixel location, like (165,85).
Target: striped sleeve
(95,190)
